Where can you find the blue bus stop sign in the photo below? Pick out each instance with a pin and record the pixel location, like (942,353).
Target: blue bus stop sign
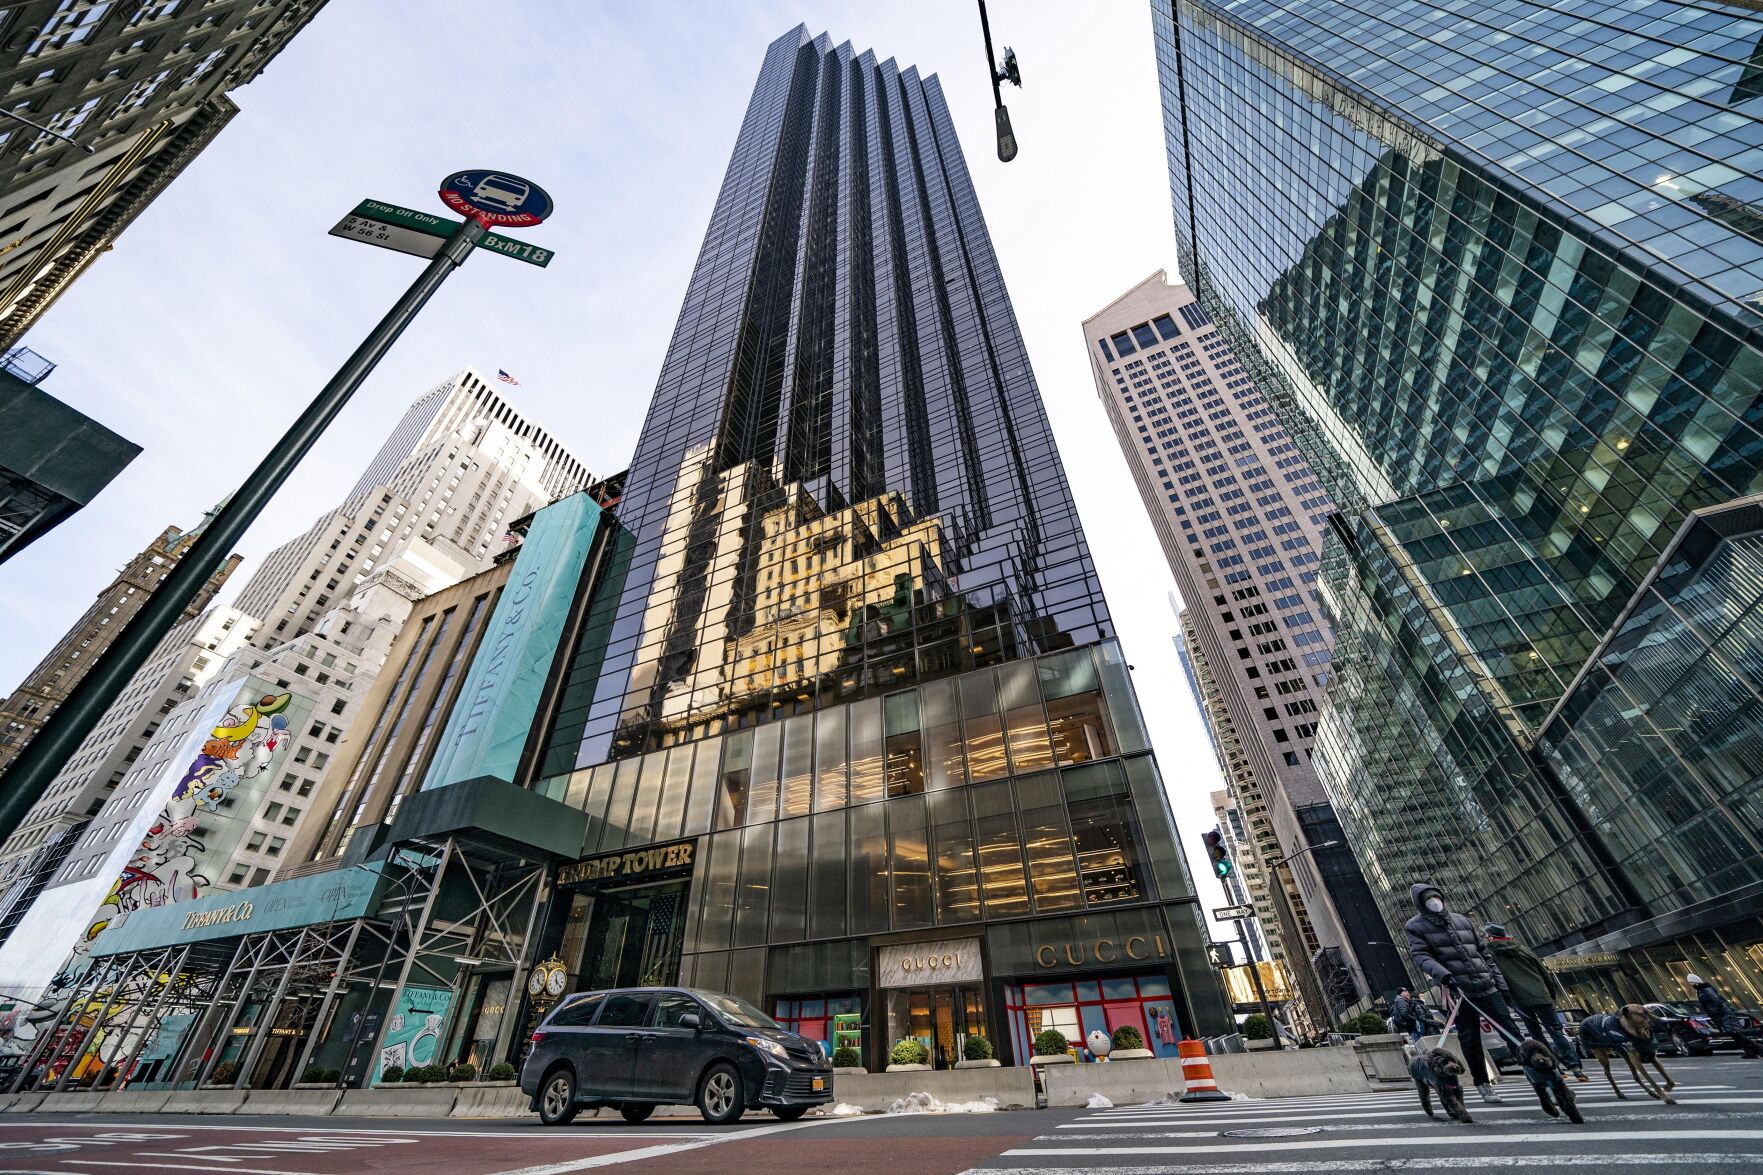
(496,198)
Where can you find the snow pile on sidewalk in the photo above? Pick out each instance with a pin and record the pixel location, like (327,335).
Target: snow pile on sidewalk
(928,1103)
(842,1110)
(1098,1102)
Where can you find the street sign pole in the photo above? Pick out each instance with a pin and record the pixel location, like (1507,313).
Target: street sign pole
(55,742)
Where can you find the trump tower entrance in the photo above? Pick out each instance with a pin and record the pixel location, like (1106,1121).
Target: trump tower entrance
(626,917)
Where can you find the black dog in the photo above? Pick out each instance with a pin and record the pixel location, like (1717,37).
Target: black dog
(1543,1072)
(1438,1069)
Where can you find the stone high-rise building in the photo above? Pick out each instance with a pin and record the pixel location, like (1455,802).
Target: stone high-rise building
(143,83)
(48,685)
(1240,517)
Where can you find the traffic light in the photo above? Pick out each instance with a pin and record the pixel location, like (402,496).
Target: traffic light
(1221,863)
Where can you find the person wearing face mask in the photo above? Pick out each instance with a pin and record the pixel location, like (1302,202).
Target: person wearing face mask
(1448,947)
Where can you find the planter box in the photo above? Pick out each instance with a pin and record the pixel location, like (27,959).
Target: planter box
(849,1070)
(1131,1055)
(1061,1059)
(908,1069)
(988,1063)
(1255,1045)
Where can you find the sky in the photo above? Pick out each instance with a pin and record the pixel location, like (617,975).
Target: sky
(225,306)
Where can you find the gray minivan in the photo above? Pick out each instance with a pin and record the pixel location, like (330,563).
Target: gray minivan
(638,1048)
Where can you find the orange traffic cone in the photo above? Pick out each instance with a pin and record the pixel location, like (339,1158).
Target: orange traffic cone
(1196,1072)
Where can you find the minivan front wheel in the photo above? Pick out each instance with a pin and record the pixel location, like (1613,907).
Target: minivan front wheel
(720,1098)
(557,1098)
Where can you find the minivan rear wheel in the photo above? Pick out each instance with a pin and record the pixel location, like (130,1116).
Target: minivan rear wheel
(720,1097)
(636,1111)
(557,1098)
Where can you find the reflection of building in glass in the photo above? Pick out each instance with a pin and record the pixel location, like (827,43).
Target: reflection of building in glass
(809,600)
(1510,317)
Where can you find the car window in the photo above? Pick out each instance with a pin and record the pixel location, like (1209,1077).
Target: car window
(578,1013)
(673,1006)
(626,1010)
(738,1011)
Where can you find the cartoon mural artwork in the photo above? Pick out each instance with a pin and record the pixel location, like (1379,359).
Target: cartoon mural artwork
(167,866)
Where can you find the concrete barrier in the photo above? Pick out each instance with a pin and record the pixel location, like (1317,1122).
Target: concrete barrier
(1013,1087)
(492,1101)
(205,1101)
(291,1101)
(1292,1073)
(83,1102)
(21,1103)
(417,1101)
(134,1101)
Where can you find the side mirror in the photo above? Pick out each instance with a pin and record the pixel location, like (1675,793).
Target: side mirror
(691,1020)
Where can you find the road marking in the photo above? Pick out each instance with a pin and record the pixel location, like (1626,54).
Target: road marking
(522,1130)
(1409,1139)
(183,1167)
(655,1152)
(1479,1115)
(1255,1105)
(1528,1107)
(1356,1166)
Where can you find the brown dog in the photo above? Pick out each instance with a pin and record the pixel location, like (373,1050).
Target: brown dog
(1629,1031)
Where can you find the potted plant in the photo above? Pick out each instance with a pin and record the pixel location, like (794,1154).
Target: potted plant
(224,1074)
(909,1056)
(1051,1048)
(1129,1045)
(464,1073)
(501,1073)
(1258,1031)
(848,1060)
(978,1054)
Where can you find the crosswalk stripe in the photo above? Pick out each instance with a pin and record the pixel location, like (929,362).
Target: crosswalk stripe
(1527,1105)
(1250,1106)
(1487,1113)
(1455,1163)
(1409,1138)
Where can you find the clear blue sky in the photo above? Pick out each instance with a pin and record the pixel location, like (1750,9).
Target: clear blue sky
(225,306)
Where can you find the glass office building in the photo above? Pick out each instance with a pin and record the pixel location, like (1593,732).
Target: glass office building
(849,723)
(1499,265)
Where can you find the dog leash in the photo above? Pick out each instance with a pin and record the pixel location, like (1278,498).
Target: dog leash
(1498,1027)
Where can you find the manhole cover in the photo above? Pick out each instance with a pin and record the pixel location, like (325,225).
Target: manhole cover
(1272,1132)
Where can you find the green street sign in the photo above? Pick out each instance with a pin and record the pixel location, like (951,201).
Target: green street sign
(440,227)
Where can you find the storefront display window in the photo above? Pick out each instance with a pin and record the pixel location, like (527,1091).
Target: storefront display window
(1079,1008)
(834,1022)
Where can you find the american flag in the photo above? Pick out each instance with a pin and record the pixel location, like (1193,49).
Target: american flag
(506,378)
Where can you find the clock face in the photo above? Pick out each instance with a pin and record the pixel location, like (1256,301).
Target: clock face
(556,981)
(535,982)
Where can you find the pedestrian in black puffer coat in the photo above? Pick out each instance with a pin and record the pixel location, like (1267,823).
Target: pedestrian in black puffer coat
(1715,1007)
(1448,947)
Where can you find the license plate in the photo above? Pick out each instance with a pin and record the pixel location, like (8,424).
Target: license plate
(819,1083)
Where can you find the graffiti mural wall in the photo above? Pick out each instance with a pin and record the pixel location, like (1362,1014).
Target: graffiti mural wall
(208,807)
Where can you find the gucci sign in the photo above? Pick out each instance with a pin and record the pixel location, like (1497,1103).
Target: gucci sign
(1103,950)
(916,964)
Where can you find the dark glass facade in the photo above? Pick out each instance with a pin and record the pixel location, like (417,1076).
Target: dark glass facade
(845,712)
(1496,264)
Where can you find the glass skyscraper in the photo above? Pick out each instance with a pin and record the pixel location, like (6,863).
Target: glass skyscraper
(1499,265)
(854,652)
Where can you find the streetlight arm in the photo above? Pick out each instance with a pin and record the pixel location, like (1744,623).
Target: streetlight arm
(37,126)
(1327,844)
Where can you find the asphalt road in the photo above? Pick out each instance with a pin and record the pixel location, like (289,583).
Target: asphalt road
(1718,1125)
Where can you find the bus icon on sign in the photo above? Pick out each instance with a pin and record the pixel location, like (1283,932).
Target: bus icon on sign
(496,198)
(507,194)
